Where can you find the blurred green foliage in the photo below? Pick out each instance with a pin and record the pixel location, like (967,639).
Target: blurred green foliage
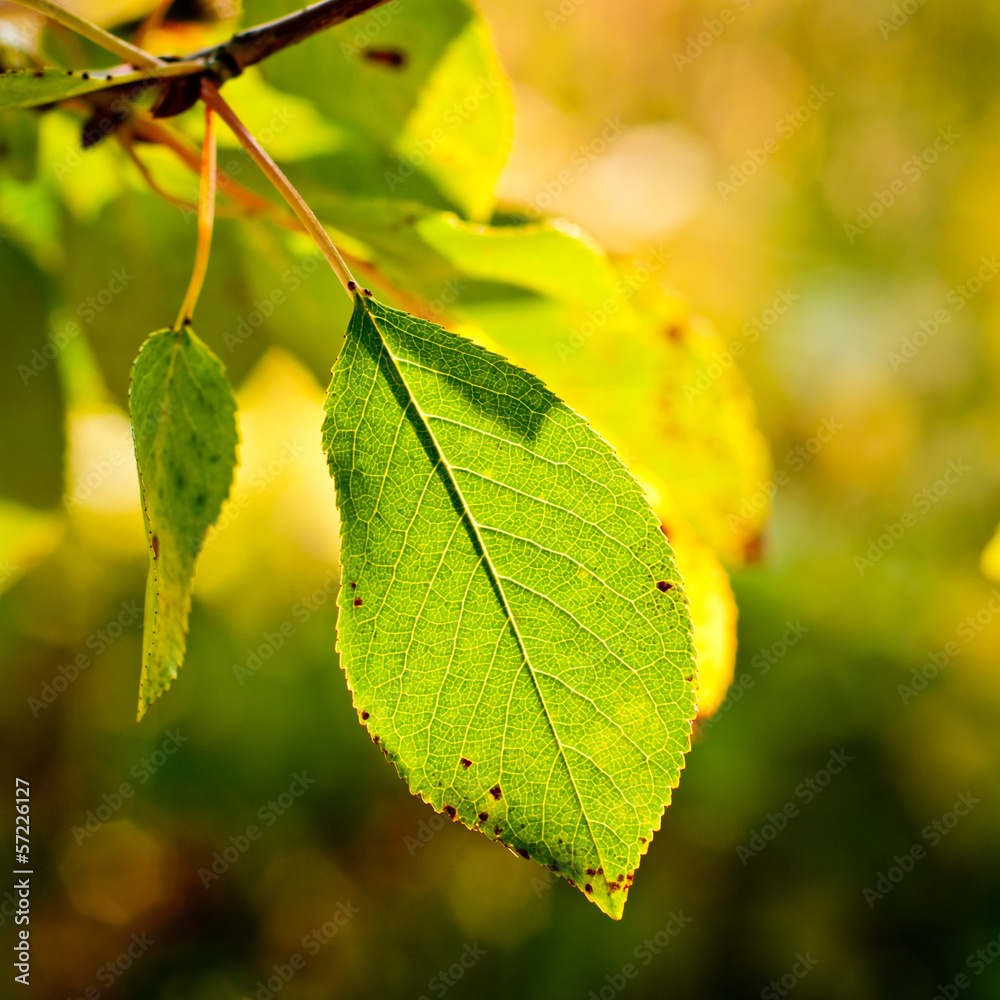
(870,568)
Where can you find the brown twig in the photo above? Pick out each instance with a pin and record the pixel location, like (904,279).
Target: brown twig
(255,44)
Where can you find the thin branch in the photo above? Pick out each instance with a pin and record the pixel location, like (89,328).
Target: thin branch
(155,131)
(255,44)
(211,96)
(130,53)
(206,217)
(220,62)
(254,204)
(154,185)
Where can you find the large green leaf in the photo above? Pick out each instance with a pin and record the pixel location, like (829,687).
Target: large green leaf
(511,621)
(184,426)
(605,336)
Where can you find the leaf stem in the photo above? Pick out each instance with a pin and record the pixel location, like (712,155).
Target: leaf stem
(130,53)
(206,217)
(211,96)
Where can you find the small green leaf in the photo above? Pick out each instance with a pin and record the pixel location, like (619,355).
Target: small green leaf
(184,427)
(23,88)
(511,621)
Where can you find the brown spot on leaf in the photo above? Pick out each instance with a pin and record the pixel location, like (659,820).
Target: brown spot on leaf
(155,542)
(523,852)
(663,586)
(393,58)
(450,810)
(588,888)
(495,792)
(591,871)
(358,602)
(483,817)
(466,763)
(365,716)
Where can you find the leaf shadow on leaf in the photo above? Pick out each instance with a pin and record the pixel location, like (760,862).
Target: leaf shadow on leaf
(522,411)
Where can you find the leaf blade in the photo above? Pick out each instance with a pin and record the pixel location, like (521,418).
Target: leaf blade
(509,665)
(21,88)
(184,429)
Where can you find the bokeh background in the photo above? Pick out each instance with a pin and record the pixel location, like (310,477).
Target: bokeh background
(819,180)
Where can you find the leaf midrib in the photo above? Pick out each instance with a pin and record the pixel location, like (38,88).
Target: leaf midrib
(495,578)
